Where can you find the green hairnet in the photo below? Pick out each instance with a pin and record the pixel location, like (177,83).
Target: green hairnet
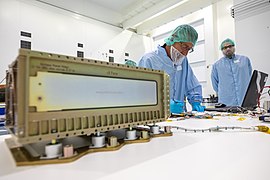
(130,62)
(226,41)
(183,33)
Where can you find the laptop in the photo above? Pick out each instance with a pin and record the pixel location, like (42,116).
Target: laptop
(250,101)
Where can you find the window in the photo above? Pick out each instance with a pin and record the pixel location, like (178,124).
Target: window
(111,59)
(25,44)
(80,54)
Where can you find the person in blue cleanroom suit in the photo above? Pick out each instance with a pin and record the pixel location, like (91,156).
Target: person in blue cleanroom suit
(171,57)
(231,75)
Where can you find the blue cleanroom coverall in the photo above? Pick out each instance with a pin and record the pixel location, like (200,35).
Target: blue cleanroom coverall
(230,79)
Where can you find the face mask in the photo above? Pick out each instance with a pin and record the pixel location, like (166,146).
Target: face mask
(176,56)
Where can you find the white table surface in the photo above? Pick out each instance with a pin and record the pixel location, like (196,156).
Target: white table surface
(228,155)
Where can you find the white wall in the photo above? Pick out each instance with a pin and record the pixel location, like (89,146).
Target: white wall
(57,31)
(225,23)
(253,39)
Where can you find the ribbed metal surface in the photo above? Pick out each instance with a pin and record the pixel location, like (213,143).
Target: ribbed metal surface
(30,125)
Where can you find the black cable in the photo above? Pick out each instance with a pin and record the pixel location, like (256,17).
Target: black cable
(236,109)
(3,79)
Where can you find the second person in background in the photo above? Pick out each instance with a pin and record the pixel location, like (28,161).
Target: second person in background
(171,58)
(231,75)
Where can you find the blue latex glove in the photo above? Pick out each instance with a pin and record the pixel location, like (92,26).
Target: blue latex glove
(176,106)
(196,106)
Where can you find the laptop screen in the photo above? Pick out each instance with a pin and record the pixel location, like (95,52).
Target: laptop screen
(254,89)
